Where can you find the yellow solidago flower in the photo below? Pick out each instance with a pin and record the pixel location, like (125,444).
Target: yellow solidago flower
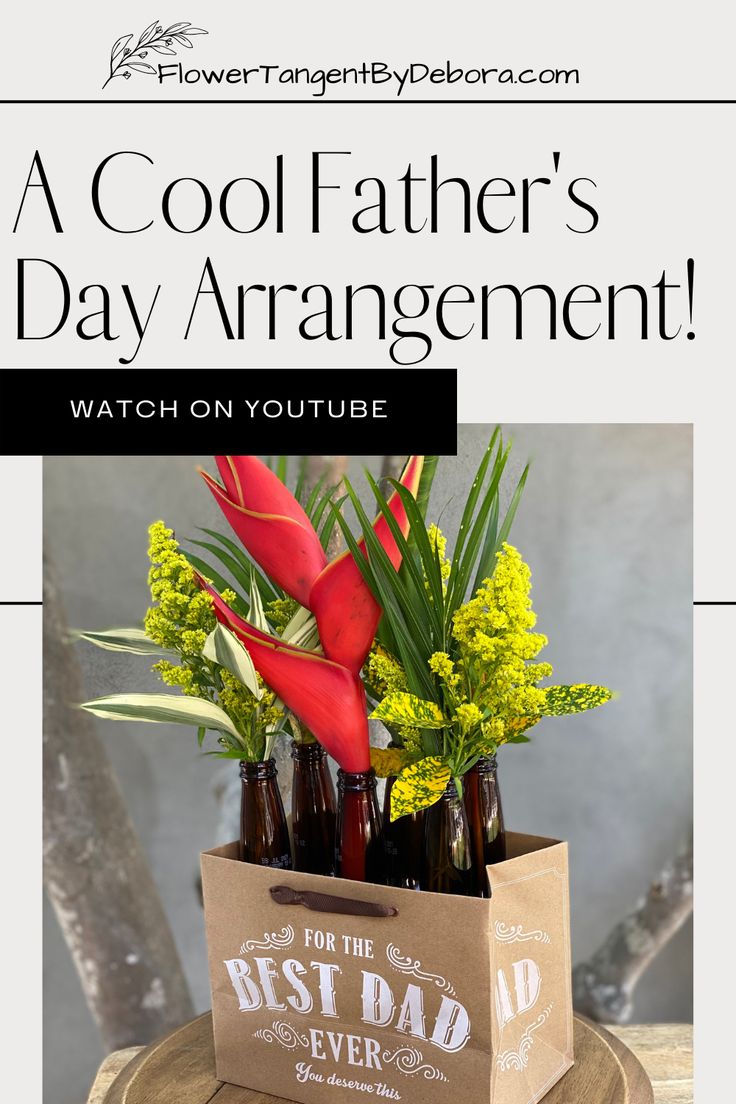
(173,675)
(485,690)
(438,541)
(535,672)
(280,612)
(502,604)
(180,620)
(193,641)
(184,616)
(493,731)
(441,665)
(242,707)
(411,739)
(468,716)
(385,674)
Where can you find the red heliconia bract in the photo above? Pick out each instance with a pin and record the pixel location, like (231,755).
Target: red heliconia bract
(327,697)
(251,483)
(347,614)
(279,536)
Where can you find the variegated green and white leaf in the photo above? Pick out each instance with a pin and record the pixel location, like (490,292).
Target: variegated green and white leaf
(257,614)
(418,786)
(223,647)
(272,735)
(302,630)
(401,708)
(121,640)
(163,709)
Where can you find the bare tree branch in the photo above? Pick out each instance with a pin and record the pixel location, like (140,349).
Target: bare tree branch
(332,467)
(95,872)
(603,986)
(391,468)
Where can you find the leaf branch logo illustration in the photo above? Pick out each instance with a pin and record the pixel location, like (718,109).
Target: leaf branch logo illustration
(125,58)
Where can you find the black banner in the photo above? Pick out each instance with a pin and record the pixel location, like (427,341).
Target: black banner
(165,411)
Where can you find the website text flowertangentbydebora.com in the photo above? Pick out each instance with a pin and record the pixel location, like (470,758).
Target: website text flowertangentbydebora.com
(372,74)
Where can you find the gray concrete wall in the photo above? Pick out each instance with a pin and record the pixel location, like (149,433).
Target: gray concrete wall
(606,524)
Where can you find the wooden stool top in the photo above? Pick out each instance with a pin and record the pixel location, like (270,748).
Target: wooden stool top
(180,1069)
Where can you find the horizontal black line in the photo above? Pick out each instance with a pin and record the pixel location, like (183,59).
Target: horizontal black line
(37,603)
(368,103)
(714,603)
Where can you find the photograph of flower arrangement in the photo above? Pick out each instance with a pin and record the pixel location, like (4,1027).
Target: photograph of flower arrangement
(354,646)
(451,673)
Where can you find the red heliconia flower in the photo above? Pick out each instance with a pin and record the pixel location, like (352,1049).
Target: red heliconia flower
(324,690)
(326,696)
(347,614)
(270,523)
(281,539)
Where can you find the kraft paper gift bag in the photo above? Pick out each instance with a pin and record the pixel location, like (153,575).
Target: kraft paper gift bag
(325,989)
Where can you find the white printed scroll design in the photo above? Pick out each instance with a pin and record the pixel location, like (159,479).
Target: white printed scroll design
(270,941)
(409,1060)
(514,933)
(407,965)
(283,1033)
(518,1059)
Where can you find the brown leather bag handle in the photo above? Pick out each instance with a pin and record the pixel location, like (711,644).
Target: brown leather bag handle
(326,902)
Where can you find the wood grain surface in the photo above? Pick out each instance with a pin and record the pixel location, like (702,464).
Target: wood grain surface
(621,1065)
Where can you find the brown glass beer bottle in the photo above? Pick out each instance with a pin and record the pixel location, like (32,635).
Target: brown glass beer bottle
(313,809)
(359,844)
(403,841)
(264,835)
(448,860)
(485,819)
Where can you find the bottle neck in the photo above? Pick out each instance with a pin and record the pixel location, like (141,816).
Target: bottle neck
(356,781)
(311,753)
(262,771)
(487,764)
(359,852)
(450,793)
